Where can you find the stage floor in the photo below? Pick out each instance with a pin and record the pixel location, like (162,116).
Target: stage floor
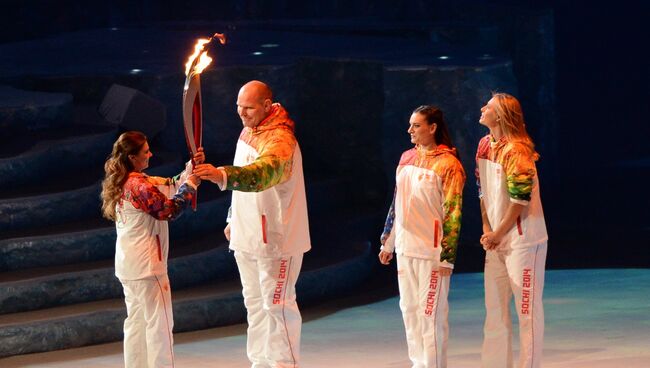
(594,319)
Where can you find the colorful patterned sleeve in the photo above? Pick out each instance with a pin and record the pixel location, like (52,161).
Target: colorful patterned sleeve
(390,219)
(145,196)
(168,186)
(453,181)
(157,180)
(272,166)
(520,171)
(482,152)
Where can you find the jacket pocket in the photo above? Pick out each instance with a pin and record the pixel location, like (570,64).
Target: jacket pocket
(436,233)
(264,229)
(158,248)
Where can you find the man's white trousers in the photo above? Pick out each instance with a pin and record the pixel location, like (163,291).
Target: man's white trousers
(148,340)
(518,272)
(423,302)
(274,321)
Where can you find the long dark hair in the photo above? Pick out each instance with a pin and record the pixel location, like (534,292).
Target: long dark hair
(433,115)
(117,168)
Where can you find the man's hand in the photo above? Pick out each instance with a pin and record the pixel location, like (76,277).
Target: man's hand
(208,172)
(226,232)
(199,157)
(385,257)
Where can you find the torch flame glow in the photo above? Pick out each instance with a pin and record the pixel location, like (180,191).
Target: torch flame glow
(198,52)
(203,59)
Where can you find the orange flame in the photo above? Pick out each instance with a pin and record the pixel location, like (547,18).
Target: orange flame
(198,52)
(203,59)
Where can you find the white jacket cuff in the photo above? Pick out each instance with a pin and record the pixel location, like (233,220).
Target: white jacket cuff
(446,264)
(224,179)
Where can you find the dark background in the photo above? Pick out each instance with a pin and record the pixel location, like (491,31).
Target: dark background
(595,198)
(603,110)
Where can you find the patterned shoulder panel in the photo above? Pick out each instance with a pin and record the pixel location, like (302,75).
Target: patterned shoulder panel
(446,164)
(132,186)
(519,165)
(247,136)
(273,165)
(483,150)
(408,157)
(517,149)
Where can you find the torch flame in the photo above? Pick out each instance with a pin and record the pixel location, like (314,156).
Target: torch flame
(204,61)
(198,52)
(195,67)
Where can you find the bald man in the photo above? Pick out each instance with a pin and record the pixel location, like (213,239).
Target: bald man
(267,224)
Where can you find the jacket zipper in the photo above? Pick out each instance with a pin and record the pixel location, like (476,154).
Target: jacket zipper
(264,229)
(159,248)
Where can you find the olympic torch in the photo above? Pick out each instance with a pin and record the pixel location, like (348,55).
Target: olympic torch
(192,116)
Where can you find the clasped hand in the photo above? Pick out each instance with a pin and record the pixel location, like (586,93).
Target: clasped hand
(198,158)
(205,171)
(209,172)
(490,240)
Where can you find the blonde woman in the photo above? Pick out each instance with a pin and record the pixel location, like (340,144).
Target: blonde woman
(141,205)
(514,235)
(422,228)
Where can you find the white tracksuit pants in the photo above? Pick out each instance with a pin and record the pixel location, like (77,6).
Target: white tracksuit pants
(423,301)
(274,321)
(519,272)
(148,340)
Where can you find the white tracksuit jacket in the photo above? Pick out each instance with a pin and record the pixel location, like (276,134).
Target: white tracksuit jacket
(269,232)
(268,214)
(424,218)
(422,226)
(141,265)
(147,204)
(506,173)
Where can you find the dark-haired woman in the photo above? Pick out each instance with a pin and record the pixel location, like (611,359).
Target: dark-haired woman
(141,205)
(422,228)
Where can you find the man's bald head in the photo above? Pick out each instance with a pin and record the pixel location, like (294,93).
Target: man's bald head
(254,103)
(258,89)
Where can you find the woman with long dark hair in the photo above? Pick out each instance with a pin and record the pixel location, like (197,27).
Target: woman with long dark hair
(422,228)
(141,205)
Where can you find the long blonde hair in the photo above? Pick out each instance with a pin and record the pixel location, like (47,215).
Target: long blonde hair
(510,117)
(117,168)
